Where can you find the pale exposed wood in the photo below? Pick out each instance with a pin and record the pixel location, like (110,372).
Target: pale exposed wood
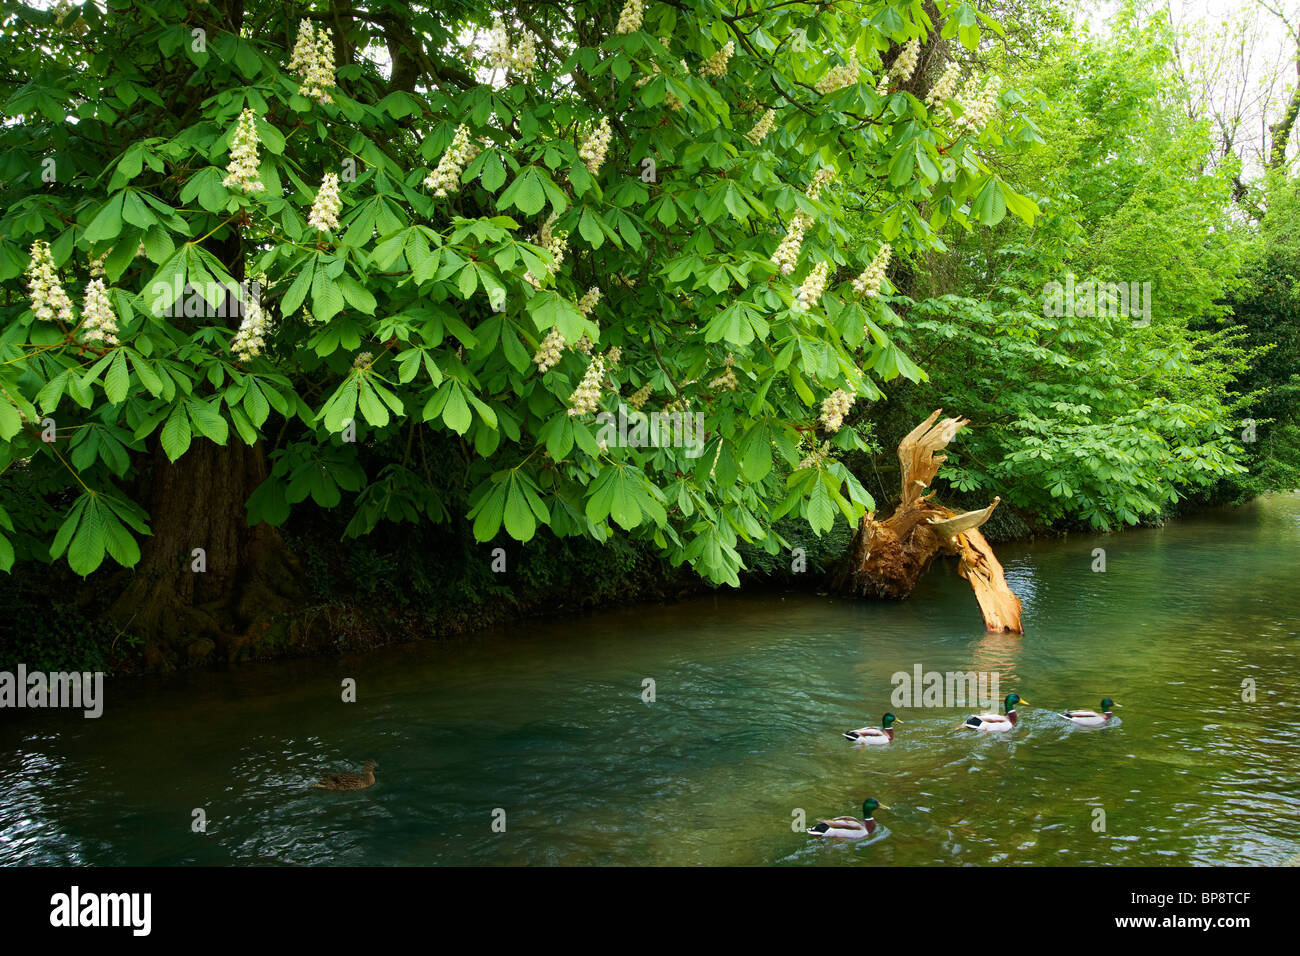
(917,454)
(980,567)
(950,527)
(886,558)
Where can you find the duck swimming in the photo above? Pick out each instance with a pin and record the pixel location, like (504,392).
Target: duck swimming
(996,723)
(875,736)
(850,828)
(1091,718)
(350,781)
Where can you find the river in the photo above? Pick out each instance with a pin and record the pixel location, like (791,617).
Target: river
(542,730)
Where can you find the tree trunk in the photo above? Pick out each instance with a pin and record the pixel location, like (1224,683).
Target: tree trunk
(187,605)
(887,558)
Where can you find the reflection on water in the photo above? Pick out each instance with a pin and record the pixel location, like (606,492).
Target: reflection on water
(547,723)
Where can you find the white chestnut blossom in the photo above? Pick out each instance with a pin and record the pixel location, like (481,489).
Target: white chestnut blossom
(640,396)
(313,60)
(716,65)
(762,128)
(585,305)
(595,146)
(727,380)
(550,351)
(320,71)
(944,87)
(586,396)
(810,293)
(873,276)
(49,301)
(363,360)
(555,241)
(98,320)
(846,74)
(905,64)
(834,407)
(821,179)
(445,179)
(817,457)
(304,49)
(629,20)
(523,58)
(498,44)
(786,256)
(242,173)
(250,339)
(977,105)
(589,300)
(325,210)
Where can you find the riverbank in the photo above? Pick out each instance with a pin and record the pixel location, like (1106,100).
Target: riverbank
(409,584)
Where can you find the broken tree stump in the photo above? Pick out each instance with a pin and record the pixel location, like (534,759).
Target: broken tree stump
(886,558)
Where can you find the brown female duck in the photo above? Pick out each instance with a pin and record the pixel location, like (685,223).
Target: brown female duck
(350,781)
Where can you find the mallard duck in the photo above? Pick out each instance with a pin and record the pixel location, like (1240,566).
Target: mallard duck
(349,781)
(996,723)
(1090,718)
(850,828)
(875,736)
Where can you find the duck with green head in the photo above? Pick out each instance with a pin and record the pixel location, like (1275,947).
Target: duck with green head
(996,723)
(1091,718)
(875,736)
(850,828)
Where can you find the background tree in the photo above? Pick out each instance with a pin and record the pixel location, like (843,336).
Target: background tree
(1088,415)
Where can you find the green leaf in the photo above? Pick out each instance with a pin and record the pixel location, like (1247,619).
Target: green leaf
(176,433)
(520,522)
(456,412)
(357,295)
(1022,206)
(107,222)
(990,208)
(117,379)
(489,511)
(207,420)
(297,292)
(375,412)
(11,422)
(526,193)
(326,296)
(342,405)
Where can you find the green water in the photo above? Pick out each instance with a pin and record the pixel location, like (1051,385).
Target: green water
(547,722)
